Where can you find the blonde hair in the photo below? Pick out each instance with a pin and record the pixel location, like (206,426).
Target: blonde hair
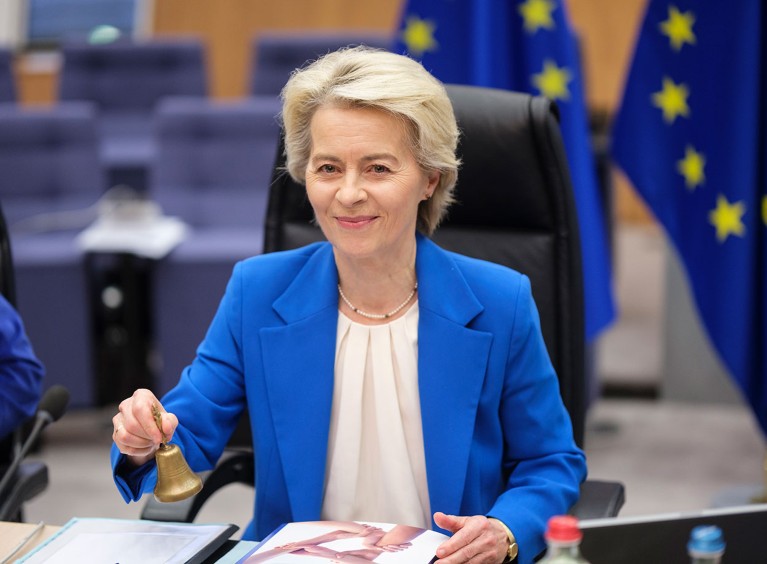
(371,78)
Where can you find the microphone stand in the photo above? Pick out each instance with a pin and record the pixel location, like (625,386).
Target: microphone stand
(40,421)
(51,407)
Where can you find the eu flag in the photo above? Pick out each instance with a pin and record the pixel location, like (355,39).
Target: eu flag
(523,45)
(691,137)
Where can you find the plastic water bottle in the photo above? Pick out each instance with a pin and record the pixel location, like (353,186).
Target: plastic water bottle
(706,545)
(563,537)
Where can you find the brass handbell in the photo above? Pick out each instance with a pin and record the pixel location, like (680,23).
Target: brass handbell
(175,480)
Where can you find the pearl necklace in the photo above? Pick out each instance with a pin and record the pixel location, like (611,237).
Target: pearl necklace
(377,315)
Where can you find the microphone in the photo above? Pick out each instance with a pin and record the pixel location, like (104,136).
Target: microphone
(52,406)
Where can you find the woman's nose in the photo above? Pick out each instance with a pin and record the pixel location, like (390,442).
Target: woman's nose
(350,191)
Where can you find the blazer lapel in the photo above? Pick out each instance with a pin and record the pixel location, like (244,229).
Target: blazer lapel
(452,361)
(299,360)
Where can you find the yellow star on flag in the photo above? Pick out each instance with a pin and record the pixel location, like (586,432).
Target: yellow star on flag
(764,210)
(537,14)
(691,167)
(672,99)
(418,36)
(552,81)
(678,28)
(727,218)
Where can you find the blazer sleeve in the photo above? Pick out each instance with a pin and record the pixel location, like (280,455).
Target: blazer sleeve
(543,463)
(208,399)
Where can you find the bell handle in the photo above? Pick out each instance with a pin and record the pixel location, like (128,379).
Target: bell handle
(157,414)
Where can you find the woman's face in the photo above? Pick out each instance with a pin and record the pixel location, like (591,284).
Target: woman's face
(365,184)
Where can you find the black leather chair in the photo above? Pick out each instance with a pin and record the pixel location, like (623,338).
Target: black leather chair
(31,476)
(514,207)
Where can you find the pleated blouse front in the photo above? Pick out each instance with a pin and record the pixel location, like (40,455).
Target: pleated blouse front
(376,469)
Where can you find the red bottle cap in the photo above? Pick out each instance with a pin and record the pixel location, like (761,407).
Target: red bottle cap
(564,529)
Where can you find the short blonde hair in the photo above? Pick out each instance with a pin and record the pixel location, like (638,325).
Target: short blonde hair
(371,78)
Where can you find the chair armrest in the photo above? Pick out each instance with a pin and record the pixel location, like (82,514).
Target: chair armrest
(599,499)
(31,479)
(234,467)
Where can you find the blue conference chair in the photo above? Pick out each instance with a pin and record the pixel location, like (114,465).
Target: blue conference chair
(48,22)
(7,81)
(212,170)
(51,178)
(275,56)
(126,80)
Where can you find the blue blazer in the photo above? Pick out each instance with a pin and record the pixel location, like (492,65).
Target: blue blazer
(498,440)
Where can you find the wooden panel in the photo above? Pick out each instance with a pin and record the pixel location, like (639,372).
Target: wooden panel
(608,31)
(36,79)
(629,208)
(229,26)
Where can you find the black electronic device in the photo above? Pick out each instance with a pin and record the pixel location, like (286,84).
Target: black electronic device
(664,537)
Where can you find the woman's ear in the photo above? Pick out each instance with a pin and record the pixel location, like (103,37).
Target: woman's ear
(432,178)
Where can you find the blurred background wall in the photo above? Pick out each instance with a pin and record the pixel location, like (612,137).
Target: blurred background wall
(607,31)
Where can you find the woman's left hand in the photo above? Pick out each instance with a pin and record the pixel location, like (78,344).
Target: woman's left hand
(475,539)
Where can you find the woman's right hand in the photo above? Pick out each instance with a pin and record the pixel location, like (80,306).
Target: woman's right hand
(135,430)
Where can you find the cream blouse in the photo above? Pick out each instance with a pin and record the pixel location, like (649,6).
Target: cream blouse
(376,468)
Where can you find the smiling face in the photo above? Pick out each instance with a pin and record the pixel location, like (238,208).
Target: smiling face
(365,184)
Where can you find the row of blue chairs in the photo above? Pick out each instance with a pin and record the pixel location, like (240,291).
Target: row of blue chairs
(110,74)
(204,162)
(51,172)
(211,168)
(126,79)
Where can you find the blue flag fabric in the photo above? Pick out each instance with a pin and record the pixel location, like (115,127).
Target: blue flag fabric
(527,46)
(691,136)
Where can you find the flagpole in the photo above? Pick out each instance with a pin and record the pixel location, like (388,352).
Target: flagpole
(762,498)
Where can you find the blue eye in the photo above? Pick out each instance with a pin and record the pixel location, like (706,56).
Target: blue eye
(327,168)
(380,168)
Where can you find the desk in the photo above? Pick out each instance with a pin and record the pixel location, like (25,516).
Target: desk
(12,533)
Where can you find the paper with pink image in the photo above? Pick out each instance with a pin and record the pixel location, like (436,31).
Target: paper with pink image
(345,542)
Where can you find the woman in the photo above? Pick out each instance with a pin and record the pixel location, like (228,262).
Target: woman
(386,379)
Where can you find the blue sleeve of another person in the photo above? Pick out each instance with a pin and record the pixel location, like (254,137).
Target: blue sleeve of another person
(21,373)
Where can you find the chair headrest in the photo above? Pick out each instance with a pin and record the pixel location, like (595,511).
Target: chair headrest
(505,182)
(501,181)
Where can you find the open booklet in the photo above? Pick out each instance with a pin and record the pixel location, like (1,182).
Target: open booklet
(348,542)
(130,542)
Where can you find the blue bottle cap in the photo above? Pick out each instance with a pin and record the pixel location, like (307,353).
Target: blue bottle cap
(706,539)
